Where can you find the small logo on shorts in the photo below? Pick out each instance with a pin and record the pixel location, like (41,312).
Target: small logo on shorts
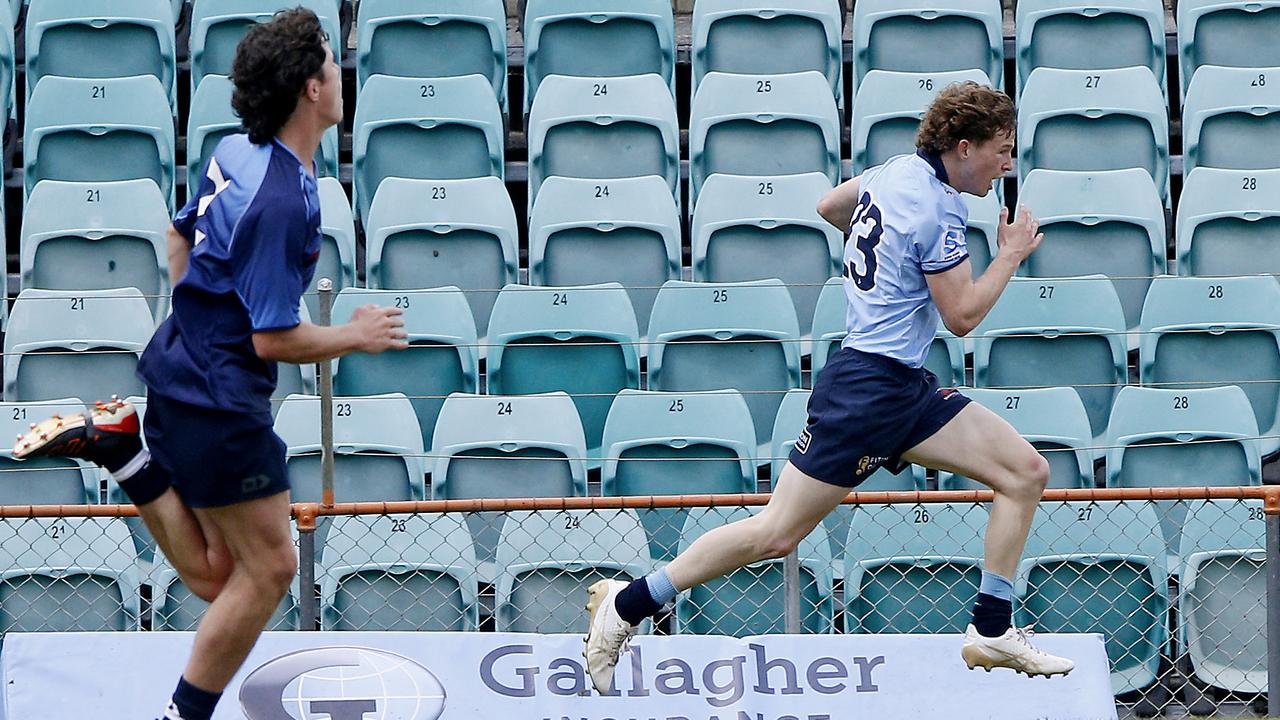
(869,462)
(802,442)
(254,484)
(947,393)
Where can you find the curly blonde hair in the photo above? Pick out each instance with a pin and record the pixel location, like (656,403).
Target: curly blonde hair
(965,111)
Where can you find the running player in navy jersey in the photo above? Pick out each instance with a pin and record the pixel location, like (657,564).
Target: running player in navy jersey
(211,486)
(874,404)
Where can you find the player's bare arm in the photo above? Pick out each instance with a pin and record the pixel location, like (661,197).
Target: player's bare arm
(837,206)
(962,301)
(372,329)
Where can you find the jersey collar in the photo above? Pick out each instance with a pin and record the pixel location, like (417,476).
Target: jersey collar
(935,162)
(301,165)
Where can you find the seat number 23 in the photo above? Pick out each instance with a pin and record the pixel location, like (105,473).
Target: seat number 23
(865,230)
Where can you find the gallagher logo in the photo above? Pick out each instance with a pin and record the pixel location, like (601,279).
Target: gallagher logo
(341,683)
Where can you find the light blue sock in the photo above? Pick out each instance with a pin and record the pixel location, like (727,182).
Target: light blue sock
(660,587)
(996,586)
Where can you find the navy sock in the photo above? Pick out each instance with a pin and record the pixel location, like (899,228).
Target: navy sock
(192,703)
(145,483)
(635,602)
(992,616)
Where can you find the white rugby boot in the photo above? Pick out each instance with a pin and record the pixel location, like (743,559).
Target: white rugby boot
(1012,650)
(607,632)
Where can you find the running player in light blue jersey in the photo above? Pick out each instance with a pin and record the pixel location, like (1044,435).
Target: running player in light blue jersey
(905,265)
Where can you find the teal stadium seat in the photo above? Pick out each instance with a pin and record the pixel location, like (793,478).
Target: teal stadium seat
(1222,594)
(439,129)
(442,357)
(8,63)
(597,38)
(733,116)
(1056,332)
(175,607)
(1099,567)
(1228,33)
(982,234)
(294,379)
(1206,332)
(97,236)
(124,124)
(101,39)
(1078,35)
(913,568)
(1182,438)
(1094,120)
(547,558)
(603,128)
(434,39)
(218,25)
(760,37)
(1228,221)
(398,572)
(1109,222)
(888,107)
(1230,117)
(1053,420)
(506,446)
(928,37)
(658,443)
(42,481)
(755,228)
(624,230)
(84,344)
(337,259)
(422,234)
(581,340)
(211,119)
(749,601)
(712,336)
(68,574)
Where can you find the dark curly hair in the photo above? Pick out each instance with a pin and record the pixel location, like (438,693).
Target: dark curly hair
(272,65)
(964,111)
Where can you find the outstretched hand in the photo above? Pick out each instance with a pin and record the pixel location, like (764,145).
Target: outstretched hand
(1020,238)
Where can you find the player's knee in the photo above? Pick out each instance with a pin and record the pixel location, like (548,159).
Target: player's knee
(276,570)
(779,545)
(1033,475)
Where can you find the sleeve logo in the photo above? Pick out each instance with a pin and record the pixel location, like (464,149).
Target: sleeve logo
(953,245)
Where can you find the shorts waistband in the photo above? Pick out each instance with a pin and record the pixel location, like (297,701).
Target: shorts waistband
(883,362)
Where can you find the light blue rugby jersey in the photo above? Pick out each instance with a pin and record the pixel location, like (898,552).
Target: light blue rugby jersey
(908,223)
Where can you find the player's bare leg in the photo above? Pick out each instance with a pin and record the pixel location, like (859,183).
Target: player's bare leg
(979,444)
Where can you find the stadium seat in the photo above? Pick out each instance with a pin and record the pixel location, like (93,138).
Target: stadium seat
(84,345)
(337,259)
(888,107)
(1181,438)
(581,340)
(1099,567)
(442,356)
(422,233)
(1094,120)
(625,230)
(506,446)
(175,607)
(1056,332)
(124,124)
(101,39)
(1228,221)
(68,574)
(211,119)
(603,128)
(377,447)
(755,228)
(706,442)
(398,572)
(923,37)
(1222,594)
(1077,35)
(750,601)
(42,481)
(709,336)
(434,39)
(8,64)
(547,558)
(913,568)
(1053,420)
(733,116)
(97,236)
(597,38)
(218,25)
(442,129)
(760,37)
(293,379)
(1109,222)
(1206,332)
(1228,33)
(1230,117)
(982,234)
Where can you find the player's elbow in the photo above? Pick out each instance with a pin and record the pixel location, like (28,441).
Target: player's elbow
(830,210)
(959,324)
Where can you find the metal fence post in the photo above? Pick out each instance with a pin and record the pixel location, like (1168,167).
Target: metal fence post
(307,568)
(325,375)
(1273,614)
(791,588)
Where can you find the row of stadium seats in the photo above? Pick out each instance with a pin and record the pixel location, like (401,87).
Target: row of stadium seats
(1088,567)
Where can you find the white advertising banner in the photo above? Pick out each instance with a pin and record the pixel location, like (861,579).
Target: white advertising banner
(466,676)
